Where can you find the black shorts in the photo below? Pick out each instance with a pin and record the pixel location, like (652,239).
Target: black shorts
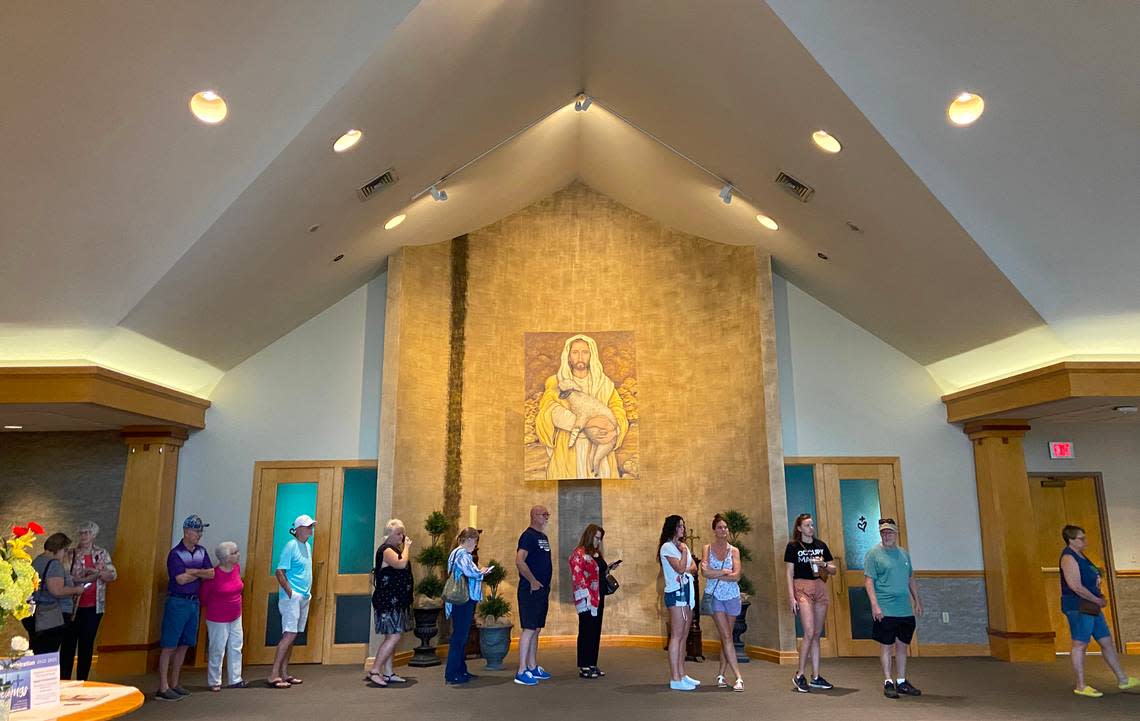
(533,606)
(892,628)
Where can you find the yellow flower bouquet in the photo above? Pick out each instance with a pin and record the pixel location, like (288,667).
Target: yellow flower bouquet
(18,580)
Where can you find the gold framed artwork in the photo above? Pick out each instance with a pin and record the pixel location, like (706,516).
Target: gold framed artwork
(582,414)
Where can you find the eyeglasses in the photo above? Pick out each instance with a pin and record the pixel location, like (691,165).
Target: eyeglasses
(886,520)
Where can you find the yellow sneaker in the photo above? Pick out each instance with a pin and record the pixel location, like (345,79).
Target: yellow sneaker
(1131,683)
(1088,691)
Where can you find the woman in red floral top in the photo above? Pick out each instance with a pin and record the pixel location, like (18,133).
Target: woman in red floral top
(587,573)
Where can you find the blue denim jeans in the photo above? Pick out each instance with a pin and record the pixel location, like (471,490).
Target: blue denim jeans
(461,618)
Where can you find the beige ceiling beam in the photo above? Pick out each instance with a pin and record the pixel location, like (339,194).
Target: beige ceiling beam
(58,385)
(1018,395)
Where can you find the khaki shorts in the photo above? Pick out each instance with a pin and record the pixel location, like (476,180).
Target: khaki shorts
(813,591)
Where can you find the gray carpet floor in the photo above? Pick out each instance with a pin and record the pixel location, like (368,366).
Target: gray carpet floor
(635,689)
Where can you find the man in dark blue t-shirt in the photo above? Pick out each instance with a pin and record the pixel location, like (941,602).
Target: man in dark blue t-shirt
(535,571)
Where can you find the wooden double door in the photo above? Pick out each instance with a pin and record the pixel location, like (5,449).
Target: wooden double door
(341,496)
(847,497)
(1059,501)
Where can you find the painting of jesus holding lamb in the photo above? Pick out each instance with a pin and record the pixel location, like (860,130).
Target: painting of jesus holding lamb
(581,407)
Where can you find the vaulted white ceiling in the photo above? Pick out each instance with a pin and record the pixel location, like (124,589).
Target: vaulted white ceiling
(119,211)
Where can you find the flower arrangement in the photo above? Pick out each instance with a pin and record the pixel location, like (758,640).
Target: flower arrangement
(18,580)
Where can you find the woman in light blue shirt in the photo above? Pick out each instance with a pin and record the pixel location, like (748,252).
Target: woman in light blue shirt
(461,565)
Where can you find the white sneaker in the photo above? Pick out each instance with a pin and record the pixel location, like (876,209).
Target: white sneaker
(721,682)
(681,685)
(692,680)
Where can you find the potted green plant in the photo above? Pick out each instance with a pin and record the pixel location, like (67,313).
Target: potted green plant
(738,525)
(429,591)
(494,620)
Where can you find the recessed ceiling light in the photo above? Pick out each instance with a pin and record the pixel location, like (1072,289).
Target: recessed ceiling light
(965,109)
(395,221)
(346,141)
(767,222)
(208,107)
(826,141)
(12,428)
(822,256)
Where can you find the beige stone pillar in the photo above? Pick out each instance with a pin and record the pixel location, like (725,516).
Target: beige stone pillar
(1019,625)
(128,637)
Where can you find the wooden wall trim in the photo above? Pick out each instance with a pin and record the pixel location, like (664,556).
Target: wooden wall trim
(1132,648)
(1022,634)
(841,460)
(1068,379)
(955,649)
(1130,573)
(99,386)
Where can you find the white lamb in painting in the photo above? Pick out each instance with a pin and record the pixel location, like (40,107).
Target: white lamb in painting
(584,407)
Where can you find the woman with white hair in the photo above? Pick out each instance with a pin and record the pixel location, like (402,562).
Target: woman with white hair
(221,597)
(90,565)
(391,600)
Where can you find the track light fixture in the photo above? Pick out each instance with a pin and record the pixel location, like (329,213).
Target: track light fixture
(726,193)
(437,195)
(583,103)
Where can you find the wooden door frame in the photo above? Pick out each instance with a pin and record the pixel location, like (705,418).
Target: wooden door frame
(329,653)
(830,646)
(1106,534)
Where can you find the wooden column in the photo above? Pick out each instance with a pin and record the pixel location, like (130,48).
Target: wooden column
(1019,624)
(128,637)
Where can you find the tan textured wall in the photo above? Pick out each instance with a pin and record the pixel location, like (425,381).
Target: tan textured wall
(578,261)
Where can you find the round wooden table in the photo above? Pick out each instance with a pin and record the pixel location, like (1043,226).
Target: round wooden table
(114,708)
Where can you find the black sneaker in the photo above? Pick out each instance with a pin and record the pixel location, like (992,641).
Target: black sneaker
(889,689)
(906,689)
(820,682)
(800,684)
(168,695)
(179,690)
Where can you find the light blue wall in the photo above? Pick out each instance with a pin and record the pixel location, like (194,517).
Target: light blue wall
(844,392)
(312,394)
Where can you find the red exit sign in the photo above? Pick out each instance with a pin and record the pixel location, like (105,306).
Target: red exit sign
(1061,449)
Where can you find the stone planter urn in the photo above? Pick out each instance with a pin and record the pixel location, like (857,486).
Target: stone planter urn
(427,627)
(495,642)
(738,628)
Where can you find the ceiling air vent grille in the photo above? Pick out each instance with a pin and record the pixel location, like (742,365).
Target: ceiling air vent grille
(803,191)
(380,182)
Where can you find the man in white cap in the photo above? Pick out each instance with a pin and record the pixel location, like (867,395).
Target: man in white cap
(295,576)
(889,580)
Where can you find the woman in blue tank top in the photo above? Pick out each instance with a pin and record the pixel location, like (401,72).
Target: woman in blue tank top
(1081,602)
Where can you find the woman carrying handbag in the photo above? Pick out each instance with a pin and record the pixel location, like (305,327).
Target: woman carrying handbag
(463,590)
(721,600)
(1082,603)
(55,598)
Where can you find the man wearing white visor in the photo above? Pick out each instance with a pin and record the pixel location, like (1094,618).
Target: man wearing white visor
(295,576)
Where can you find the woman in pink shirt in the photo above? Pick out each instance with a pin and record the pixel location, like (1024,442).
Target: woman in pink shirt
(221,597)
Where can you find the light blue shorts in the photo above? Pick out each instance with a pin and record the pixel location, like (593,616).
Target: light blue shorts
(730,606)
(1083,627)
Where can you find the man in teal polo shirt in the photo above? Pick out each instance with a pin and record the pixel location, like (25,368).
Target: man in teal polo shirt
(889,580)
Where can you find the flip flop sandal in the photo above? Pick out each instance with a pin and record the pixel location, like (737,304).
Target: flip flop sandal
(215,689)
(376,680)
(393,678)
(294,680)
(239,684)
(278,683)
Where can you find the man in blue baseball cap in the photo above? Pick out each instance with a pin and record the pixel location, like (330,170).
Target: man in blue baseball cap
(188,564)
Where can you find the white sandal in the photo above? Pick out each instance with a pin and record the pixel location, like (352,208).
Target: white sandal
(739,685)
